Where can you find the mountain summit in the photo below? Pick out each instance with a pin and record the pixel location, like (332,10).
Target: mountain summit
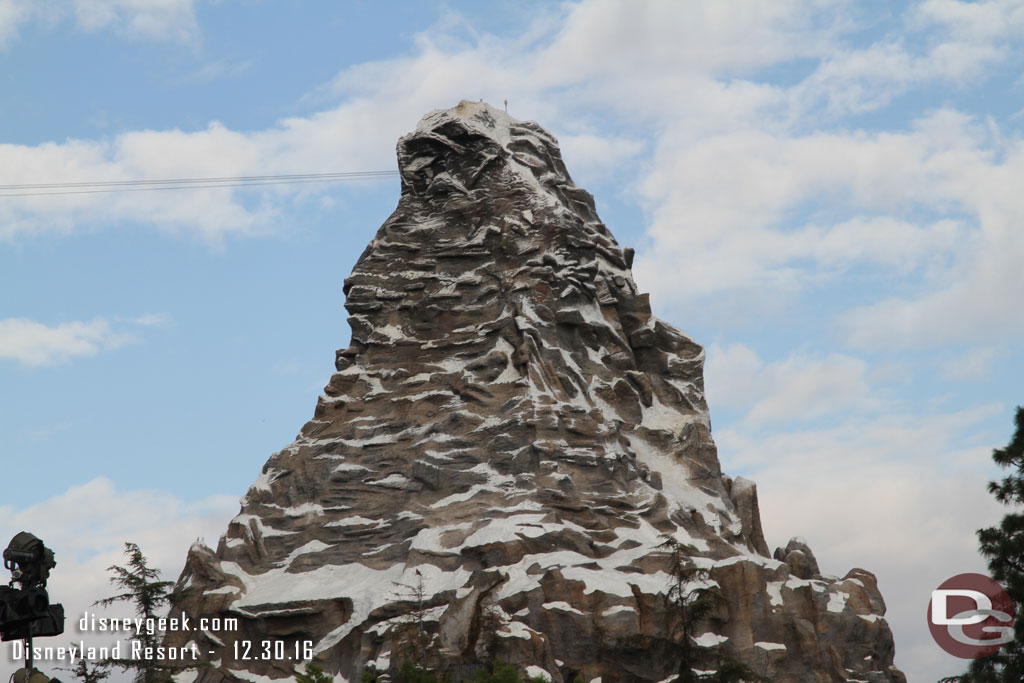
(497,463)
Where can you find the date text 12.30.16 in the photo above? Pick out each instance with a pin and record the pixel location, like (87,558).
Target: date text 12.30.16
(301,650)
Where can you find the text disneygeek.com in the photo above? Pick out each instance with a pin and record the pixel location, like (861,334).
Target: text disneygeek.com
(90,622)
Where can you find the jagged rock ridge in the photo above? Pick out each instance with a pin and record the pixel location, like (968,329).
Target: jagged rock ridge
(503,450)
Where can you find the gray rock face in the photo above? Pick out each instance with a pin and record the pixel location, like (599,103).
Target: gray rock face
(502,452)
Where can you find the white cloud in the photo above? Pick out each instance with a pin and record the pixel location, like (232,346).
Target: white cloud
(621,40)
(217,70)
(977,302)
(164,20)
(382,100)
(154,320)
(729,214)
(797,388)
(663,64)
(170,20)
(863,80)
(900,495)
(944,41)
(913,526)
(34,344)
(52,429)
(12,14)
(735,189)
(591,157)
(87,526)
(974,21)
(974,364)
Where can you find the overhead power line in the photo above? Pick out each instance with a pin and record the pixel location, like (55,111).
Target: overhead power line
(93,187)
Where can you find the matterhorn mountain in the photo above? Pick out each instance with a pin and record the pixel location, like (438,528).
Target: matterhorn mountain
(496,465)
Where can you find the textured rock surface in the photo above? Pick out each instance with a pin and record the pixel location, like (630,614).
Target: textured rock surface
(504,446)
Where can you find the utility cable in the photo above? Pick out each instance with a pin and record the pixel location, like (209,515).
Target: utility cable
(40,189)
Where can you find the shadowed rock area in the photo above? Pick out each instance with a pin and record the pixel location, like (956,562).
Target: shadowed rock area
(500,456)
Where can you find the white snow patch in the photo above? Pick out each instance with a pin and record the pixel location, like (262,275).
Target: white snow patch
(392,481)
(534,671)
(562,606)
(347,467)
(375,440)
(676,486)
(313,546)
(304,509)
(617,583)
(265,479)
(253,678)
(429,539)
(616,609)
(382,662)
(495,482)
(508,529)
(508,375)
(661,416)
(391,331)
(837,601)
(355,520)
(462,497)
(211,637)
(378,549)
(769,646)
(367,588)
(517,629)
(710,639)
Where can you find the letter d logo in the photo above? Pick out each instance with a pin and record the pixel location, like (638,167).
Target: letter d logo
(939,606)
(970,616)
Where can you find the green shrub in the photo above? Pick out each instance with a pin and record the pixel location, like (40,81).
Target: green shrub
(410,673)
(314,674)
(498,672)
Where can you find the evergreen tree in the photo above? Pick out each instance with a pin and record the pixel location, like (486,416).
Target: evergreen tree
(86,674)
(689,607)
(412,643)
(314,674)
(1003,547)
(142,589)
(410,673)
(498,672)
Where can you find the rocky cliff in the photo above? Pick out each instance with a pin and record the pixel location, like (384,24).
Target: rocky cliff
(495,467)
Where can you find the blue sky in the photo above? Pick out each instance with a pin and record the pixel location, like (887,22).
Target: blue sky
(825,194)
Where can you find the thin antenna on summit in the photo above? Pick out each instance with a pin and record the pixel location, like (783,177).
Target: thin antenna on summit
(506,106)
